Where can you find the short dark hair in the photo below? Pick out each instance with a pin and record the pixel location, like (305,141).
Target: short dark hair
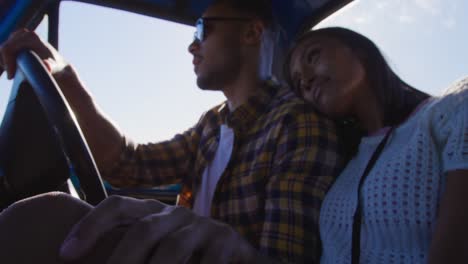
(396,98)
(261,9)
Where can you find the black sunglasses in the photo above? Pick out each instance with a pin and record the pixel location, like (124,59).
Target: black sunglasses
(200,25)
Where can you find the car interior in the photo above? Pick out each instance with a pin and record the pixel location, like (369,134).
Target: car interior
(41,144)
(42,148)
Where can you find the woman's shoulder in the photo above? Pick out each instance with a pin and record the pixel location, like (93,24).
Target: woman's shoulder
(456,94)
(452,99)
(458,87)
(451,104)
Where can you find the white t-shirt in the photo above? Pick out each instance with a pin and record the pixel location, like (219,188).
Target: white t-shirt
(401,194)
(212,173)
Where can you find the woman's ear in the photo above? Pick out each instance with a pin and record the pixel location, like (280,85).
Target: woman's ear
(254,32)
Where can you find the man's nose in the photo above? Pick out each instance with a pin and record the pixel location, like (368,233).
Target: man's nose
(194,46)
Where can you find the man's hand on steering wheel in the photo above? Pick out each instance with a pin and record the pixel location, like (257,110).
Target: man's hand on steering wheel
(24,39)
(65,102)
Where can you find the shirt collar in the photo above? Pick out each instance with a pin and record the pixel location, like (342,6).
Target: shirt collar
(243,116)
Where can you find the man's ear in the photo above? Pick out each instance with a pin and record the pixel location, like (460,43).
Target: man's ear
(253,33)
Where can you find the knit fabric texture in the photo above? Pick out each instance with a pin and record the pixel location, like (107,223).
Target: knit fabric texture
(401,194)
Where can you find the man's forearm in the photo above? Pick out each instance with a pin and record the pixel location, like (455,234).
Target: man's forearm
(103,137)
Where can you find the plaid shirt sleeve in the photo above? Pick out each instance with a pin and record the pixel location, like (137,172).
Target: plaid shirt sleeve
(306,163)
(153,164)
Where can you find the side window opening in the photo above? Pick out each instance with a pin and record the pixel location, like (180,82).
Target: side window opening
(138,68)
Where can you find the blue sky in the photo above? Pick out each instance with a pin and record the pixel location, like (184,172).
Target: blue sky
(140,72)
(424,40)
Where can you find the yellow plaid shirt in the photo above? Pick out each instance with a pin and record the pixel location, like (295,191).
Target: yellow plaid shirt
(285,157)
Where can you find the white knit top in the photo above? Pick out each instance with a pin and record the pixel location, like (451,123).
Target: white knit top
(401,194)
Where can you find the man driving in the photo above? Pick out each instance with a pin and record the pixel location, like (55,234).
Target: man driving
(254,169)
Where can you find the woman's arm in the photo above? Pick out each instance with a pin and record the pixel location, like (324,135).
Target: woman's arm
(450,239)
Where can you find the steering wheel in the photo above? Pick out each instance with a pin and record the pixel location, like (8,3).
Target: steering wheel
(65,129)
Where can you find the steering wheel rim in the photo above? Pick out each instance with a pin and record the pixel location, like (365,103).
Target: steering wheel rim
(63,122)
